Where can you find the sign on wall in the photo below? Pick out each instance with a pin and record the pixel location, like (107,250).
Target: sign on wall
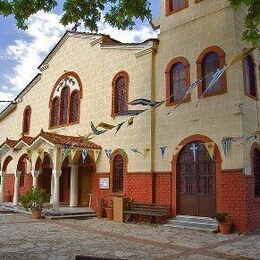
(104,183)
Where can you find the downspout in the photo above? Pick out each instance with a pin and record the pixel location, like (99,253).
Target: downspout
(153,119)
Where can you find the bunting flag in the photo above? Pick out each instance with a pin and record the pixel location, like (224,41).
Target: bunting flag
(189,90)
(87,137)
(215,77)
(119,127)
(84,154)
(108,153)
(146,152)
(242,55)
(29,153)
(163,150)
(96,155)
(96,131)
(73,152)
(210,148)
(177,149)
(41,154)
(226,144)
(130,121)
(145,102)
(121,151)
(106,126)
(135,150)
(194,148)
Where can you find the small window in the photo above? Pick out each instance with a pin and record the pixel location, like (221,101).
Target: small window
(74,106)
(64,105)
(118,173)
(26,120)
(256,165)
(176,5)
(55,112)
(249,77)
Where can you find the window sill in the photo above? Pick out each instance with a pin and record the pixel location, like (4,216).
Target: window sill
(252,97)
(213,94)
(171,104)
(128,113)
(64,125)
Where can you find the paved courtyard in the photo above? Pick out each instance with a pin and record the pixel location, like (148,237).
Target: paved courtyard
(24,238)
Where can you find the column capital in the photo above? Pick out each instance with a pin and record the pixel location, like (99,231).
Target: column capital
(35,174)
(2,173)
(56,173)
(73,165)
(17,174)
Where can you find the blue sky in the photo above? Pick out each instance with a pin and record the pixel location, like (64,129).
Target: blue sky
(22,51)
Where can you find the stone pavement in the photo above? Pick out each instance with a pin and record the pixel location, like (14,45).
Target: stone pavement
(24,238)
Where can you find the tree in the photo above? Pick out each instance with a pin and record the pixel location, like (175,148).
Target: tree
(118,13)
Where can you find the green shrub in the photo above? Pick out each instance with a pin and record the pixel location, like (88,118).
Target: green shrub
(221,217)
(35,198)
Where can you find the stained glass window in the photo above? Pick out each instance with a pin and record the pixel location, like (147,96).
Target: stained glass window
(177,82)
(121,98)
(55,111)
(64,105)
(249,76)
(210,64)
(74,106)
(118,173)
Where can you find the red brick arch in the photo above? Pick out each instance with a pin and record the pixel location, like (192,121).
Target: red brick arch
(7,160)
(218,160)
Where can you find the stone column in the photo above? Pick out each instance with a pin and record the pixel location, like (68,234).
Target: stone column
(35,175)
(56,193)
(2,175)
(73,185)
(16,188)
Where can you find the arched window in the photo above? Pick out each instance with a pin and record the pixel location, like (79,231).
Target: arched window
(64,105)
(55,112)
(27,120)
(256,165)
(177,81)
(65,99)
(74,106)
(120,93)
(173,6)
(118,173)
(249,77)
(208,62)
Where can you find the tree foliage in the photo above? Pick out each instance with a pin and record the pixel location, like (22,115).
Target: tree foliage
(118,13)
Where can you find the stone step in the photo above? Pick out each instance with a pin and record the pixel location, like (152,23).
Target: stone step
(80,216)
(196,219)
(194,223)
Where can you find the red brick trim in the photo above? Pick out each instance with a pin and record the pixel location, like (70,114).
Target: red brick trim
(218,160)
(7,160)
(232,171)
(186,64)
(223,79)
(126,76)
(27,117)
(244,77)
(168,10)
(198,1)
(125,162)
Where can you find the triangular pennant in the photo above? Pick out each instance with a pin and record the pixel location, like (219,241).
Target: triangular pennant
(84,154)
(210,148)
(163,150)
(194,148)
(86,137)
(146,152)
(73,152)
(135,150)
(177,149)
(130,121)
(29,153)
(106,126)
(145,102)
(226,145)
(96,131)
(108,153)
(41,154)
(121,151)
(96,155)
(119,127)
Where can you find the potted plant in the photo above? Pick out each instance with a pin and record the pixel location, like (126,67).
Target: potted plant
(224,223)
(100,210)
(109,210)
(34,200)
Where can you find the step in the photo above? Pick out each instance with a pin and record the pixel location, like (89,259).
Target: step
(203,220)
(61,213)
(202,229)
(80,216)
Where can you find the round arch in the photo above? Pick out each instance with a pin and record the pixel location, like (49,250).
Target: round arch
(218,161)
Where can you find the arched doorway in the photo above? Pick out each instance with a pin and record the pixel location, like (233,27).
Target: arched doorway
(196,181)
(85,171)
(65,183)
(256,171)
(44,179)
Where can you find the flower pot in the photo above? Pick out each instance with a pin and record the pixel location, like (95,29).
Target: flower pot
(36,214)
(109,212)
(100,212)
(225,227)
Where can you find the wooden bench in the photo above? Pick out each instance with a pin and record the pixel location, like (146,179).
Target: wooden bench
(152,211)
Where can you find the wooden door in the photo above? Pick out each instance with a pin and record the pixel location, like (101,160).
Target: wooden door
(196,182)
(65,186)
(84,187)
(44,179)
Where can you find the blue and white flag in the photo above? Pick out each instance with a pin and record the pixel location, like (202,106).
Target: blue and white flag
(163,150)
(194,148)
(226,145)
(119,127)
(145,102)
(84,154)
(108,153)
(135,150)
(96,131)
(215,78)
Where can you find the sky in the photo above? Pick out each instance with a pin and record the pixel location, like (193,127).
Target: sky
(21,52)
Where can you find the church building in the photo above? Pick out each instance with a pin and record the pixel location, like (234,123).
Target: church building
(177,158)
